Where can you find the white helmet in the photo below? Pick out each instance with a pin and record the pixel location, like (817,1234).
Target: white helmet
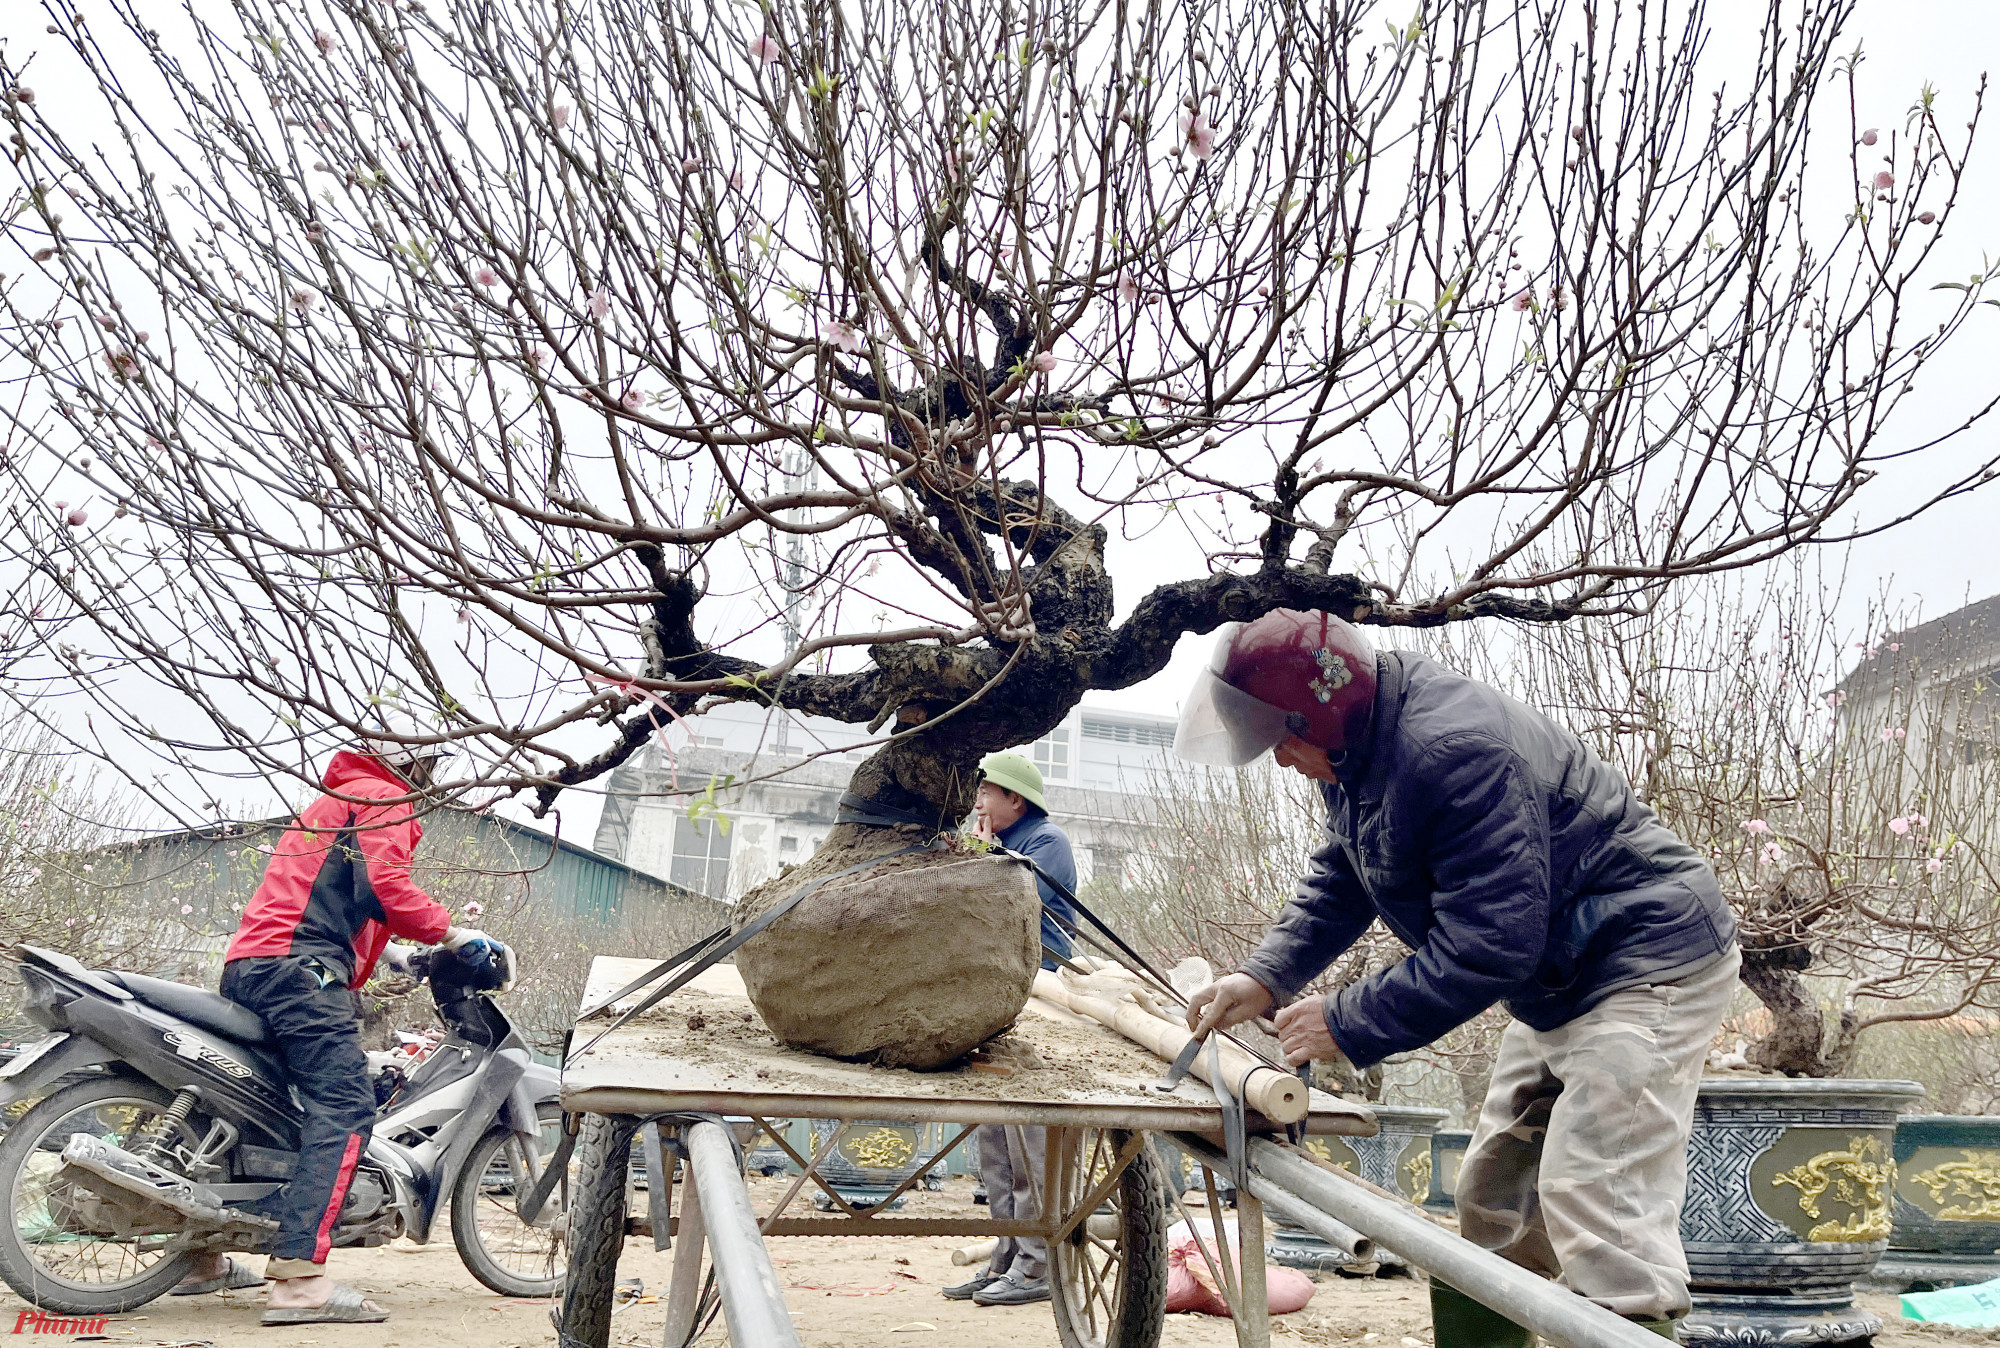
(398,744)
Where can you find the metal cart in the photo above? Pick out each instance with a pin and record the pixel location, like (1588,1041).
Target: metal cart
(672,1081)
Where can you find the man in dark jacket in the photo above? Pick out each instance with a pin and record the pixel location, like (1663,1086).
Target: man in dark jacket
(337,888)
(1519,869)
(1012,810)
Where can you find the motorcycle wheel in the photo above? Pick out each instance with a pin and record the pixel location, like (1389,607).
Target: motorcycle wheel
(49,1253)
(507,1254)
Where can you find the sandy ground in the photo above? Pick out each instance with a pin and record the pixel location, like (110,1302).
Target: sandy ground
(843,1293)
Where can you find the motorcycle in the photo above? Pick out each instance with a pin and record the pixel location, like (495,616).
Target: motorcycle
(167,1123)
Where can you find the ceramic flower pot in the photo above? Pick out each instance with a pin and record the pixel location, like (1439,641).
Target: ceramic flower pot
(1447,1154)
(1946,1228)
(1790,1184)
(872,1159)
(1398,1157)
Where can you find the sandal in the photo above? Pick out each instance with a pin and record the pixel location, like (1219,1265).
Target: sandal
(237,1276)
(345,1307)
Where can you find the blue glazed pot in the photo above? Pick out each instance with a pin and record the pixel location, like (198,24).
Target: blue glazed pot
(1947,1184)
(1398,1157)
(874,1158)
(1790,1186)
(1447,1154)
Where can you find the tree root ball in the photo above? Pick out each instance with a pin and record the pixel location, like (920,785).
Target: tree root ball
(911,962)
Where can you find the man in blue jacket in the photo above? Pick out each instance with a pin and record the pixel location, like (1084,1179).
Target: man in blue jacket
(1519,868)
(1012,810)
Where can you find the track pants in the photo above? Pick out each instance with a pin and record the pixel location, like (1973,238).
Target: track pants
(1010,1166)
(1578,1166)
(311,1015)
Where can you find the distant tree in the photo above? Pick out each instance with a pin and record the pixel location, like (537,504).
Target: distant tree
(1859,854)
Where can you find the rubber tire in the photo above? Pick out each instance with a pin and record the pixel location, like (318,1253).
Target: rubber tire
(17,1267)
(1141,1315)
(596,1229)
(465,1217)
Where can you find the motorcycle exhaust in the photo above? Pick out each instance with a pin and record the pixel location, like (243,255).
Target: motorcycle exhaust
(128,1176)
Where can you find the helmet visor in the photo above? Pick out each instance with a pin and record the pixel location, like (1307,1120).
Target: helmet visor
(1225,727)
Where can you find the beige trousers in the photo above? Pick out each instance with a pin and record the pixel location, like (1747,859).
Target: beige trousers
(1578,1166)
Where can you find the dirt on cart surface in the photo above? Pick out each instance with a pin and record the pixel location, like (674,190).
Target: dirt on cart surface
(844,1292)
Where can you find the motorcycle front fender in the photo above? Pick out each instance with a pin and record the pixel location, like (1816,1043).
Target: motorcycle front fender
(498,1076)
(538,1085)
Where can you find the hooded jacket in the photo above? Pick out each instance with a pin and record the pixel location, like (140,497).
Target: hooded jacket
(1516,865)
(338,886)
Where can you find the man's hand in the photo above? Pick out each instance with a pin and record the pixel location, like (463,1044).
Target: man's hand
(1229,1000)
(982,827)
(1302,1032)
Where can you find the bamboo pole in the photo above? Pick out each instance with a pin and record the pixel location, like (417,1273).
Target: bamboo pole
(1278,1096)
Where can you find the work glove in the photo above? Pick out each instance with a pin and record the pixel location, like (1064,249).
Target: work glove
(1229,1000)
(482,952)
(396,959)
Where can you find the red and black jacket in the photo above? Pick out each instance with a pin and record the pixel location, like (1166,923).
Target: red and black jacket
(338,886)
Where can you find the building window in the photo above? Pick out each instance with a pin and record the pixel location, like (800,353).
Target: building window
(788,844)
(701,856)
(1051,755)
(1121,732)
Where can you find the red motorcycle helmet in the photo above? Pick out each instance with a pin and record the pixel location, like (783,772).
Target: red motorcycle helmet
(1288,673)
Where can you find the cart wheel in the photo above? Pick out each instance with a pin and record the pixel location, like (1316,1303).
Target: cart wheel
(597,1229)
(1108,1278)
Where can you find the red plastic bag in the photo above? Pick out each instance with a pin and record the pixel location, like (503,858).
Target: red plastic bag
(1192,1284)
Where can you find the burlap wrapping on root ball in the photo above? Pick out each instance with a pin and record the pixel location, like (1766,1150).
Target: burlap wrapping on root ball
(909,963)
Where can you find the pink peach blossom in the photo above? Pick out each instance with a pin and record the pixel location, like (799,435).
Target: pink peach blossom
(1884,180)
(1128,289)
(1773,853)
(76,518)
(486,276)
(632,401)
(1899,826)
(690,165)
(1934,865)
(600,304)
(1870,136)
(844,335)
(559,116)
(736,181)
(765,48)
(1199,134)
(323,40)
(1045,361)
(1755,826)
(1890,734)
(1523,302)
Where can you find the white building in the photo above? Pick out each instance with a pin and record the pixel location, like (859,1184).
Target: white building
(777,778)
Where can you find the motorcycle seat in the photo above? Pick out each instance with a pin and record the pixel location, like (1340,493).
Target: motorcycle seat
(206,1009)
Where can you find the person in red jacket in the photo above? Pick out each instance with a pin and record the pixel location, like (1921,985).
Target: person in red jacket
(337,888)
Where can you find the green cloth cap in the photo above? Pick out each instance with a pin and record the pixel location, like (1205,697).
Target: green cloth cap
(1014,773)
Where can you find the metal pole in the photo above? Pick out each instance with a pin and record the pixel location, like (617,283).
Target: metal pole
(1253,1294)
(752,1300)
(1555,1313)
(684,1291)
(1286,1205)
